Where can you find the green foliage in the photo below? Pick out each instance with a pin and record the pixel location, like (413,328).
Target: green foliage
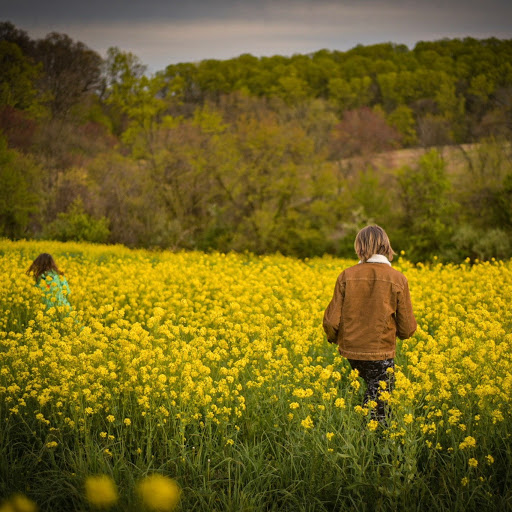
(504,202)
(71,72)
(18,79)
(77,225)
(427,210)
(137,97)
(361,132)
(369,193)
(485,190)
(263,154)
(18,198)
(475,243)
(402,119)
(291,88)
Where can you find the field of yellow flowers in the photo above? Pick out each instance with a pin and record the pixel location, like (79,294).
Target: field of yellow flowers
(212,372)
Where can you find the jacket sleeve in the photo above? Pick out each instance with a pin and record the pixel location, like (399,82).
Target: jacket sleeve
(332,315)
(405,321)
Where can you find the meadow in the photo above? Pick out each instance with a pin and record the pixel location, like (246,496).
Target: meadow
(213,370)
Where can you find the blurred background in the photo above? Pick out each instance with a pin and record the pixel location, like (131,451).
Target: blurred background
(256,137)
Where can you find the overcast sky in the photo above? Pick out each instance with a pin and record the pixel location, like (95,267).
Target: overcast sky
(162,32)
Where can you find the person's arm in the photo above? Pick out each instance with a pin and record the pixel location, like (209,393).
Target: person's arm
(405,322)
(332,315)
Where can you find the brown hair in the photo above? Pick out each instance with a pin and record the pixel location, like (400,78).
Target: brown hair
(43,263)
(372,240)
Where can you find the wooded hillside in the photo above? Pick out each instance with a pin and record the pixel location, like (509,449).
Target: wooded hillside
(261,154)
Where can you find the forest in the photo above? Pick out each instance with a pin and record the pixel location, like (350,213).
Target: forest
(262,154)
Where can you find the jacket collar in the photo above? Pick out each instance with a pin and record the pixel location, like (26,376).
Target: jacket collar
(378,258)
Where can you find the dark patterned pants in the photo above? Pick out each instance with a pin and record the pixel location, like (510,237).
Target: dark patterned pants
(372,372)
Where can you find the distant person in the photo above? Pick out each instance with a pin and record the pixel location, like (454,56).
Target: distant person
(50,280)
(370,307)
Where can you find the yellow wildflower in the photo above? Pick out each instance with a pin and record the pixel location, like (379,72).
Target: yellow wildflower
(18,503)
(372,425)
(340,403)
(159,493)
(307,422)
(101,491)
(469,442)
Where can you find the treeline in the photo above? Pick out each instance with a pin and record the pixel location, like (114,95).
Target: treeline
(260,154)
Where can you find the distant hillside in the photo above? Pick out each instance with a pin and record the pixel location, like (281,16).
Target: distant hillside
(455,156)
(259,154)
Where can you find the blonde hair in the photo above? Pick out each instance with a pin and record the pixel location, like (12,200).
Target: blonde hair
(373,240)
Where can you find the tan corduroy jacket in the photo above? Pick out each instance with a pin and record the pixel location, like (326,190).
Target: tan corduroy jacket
(370,307)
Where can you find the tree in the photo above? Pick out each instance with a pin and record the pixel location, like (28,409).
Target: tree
(290,87)
(434,131)
(138,98)
(485,187)
(350,94)
(18,79)
(362,132)
(12,34)
(426,206)
(18,198)
(367,189)
(77,225)
(71,71)
(402,119)
(126,194)
(17,127)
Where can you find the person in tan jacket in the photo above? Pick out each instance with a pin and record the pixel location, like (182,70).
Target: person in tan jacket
(370,307)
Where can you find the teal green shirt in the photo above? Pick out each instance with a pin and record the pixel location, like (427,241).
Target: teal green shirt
(55,289)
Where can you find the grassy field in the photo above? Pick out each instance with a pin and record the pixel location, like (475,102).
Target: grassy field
(213,370)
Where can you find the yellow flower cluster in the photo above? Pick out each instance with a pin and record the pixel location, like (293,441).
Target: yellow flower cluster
(156,492)
(101,491)
(159,493)
(18,503)
(196,339)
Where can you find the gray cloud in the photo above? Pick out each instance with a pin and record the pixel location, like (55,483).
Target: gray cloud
(163,32)
(34,11)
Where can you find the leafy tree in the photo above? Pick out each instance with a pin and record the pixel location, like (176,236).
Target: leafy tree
(71,71)
(77,225)
(368,191)
(362,132)
(18,79)
(211,78)
(350,94)
(184,76)
(479,243)
(17,127)
(18,197)
(504,202)
(124,194)
(427,209)
(10,33)
(138,98)
(402,119)
(485,187)
(434,130)
(291,88)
